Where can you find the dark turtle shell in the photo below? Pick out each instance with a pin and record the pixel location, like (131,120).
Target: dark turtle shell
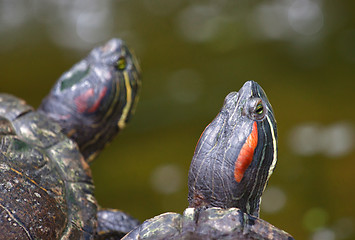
(207,224)
(45,185)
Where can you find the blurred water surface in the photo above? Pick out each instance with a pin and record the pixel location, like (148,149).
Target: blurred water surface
(193,53)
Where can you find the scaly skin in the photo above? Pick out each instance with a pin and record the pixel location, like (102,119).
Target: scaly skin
(236,153)
(234,158)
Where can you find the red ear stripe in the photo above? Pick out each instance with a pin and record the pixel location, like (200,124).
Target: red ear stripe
(82,100)
(246,154)
(98,101)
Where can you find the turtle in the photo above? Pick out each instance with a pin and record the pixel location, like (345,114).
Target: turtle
(46,187)
(232,163)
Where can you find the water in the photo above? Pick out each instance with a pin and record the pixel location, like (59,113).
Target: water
(193,53)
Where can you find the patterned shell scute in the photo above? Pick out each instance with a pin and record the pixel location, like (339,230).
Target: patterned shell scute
(12,107)
(216,221)
(164,226)
(34,130)
(27,206)
(45,185)
(77,176)
(232,223)
(207,224)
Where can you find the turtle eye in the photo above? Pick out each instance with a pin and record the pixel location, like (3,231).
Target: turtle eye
(121,63)
(256,109)
(259,109)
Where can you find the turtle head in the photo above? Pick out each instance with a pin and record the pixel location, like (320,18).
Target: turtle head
(236,154)
(96,97)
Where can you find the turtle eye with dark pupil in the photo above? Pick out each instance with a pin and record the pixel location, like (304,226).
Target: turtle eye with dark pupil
(121,63)
(255,109)
(259,109)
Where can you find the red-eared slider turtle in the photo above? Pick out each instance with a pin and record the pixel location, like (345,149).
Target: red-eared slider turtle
(46,189)
(233,161)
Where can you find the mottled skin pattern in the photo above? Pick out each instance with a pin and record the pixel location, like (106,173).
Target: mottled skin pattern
(223,206)
(46,188)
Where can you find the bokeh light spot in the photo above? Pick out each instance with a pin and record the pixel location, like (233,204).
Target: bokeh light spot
(324,234)
(337,139)
(305,17)
(271,20)
(274,200)
(12,14)
(304,139)
(94,26)
(333,141)
(344,227)
(315,218)
(195,23)
(167,179)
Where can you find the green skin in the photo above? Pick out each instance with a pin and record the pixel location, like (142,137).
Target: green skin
(46,188)
(226,180)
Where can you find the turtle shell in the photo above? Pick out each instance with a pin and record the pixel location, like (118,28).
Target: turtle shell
(207,224)
(46,189)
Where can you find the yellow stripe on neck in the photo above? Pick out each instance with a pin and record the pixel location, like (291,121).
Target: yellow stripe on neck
(122,122)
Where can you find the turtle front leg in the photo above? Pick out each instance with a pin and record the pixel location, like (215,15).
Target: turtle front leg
(113,224)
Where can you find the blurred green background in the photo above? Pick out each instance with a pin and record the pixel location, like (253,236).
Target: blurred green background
(193,53)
